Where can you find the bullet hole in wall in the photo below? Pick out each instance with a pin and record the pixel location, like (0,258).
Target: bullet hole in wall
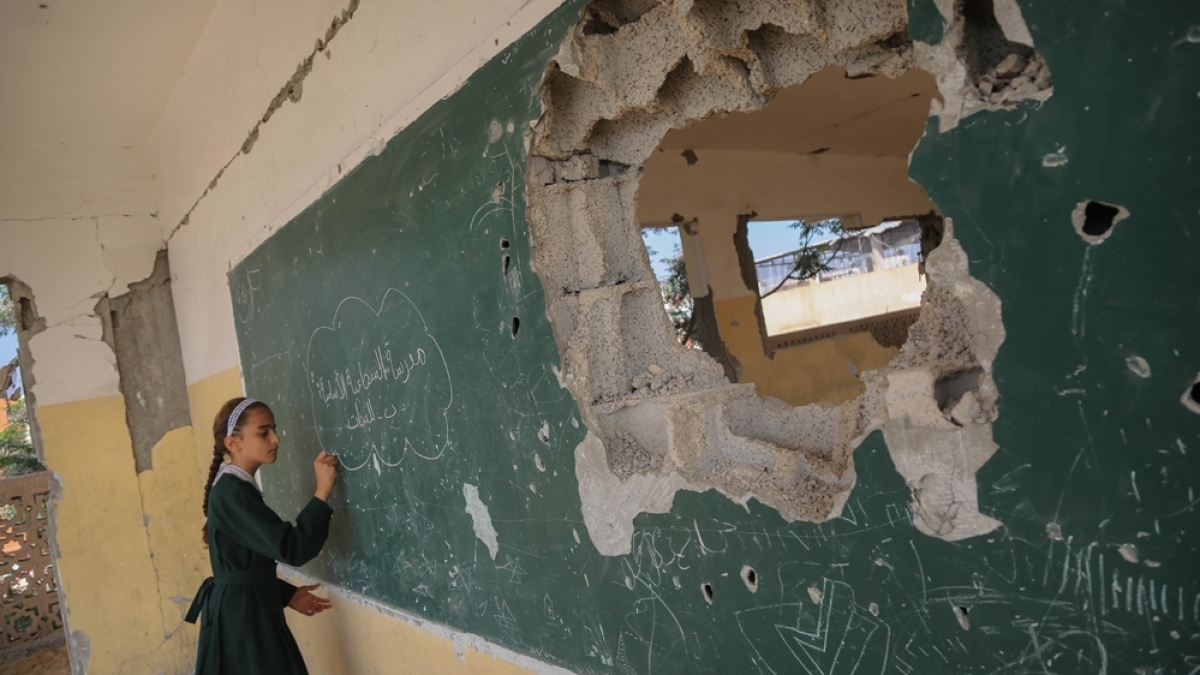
(516,325)
(706,588)
(750,577)
(1191,396)
(504,243)
(1094,221)
(963,615)
(1098,218)
(507,262)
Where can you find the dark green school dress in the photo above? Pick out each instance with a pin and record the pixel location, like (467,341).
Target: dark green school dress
(243,630)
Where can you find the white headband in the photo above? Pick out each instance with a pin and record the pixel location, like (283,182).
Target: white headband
(237,412)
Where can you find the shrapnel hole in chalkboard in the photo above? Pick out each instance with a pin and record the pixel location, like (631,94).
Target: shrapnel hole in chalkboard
(504,243)
(1094,221)
(964,616)
(1195,393)
(707,590)
(750,577)
(507,262)
(1098,218)
(516,325)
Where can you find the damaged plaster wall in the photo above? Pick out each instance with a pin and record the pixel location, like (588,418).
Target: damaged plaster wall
(628,73)
(140,328)
(78,224)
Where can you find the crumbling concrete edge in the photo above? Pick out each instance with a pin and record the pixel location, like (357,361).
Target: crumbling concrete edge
(659,419)
(965,93)
(461,641)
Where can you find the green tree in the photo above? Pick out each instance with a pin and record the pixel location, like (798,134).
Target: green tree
(17,454)
(677,299)
(8,317)
(813,257)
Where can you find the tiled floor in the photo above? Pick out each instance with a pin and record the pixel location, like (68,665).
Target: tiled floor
(46,662)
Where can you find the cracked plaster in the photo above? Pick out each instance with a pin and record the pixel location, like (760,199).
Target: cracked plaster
(663,418)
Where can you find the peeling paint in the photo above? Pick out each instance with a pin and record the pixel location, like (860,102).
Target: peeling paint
(481,519)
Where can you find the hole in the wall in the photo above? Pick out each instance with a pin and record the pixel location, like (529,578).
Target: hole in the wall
(664,246)
(506,261)
(1094,221)
(23,443)
(594,179)
(707,590)
(1098,218)
(750,578)
(963,615)
(515,326)
(821,259)
(1191,396)
(504,243)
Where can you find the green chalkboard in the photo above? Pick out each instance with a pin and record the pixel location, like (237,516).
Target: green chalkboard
(397,321)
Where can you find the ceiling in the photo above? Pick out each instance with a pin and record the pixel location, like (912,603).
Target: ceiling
(88,72)
(829,112)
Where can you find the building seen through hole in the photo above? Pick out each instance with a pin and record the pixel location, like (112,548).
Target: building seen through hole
(802,234)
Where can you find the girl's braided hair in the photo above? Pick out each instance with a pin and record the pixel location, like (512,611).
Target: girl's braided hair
(220,426)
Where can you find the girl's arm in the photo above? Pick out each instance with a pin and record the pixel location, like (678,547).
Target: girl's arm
(246,518)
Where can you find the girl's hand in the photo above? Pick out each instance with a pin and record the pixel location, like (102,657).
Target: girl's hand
(326,468)
(306,603)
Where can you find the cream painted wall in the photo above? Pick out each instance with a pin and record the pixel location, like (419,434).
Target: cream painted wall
(387,65)
(75,222)
(91,73)
(844,299)
(725,183)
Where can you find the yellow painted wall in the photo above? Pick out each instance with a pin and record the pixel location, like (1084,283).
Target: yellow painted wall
(108,521)
(353,638)
(814,373)
(205,397)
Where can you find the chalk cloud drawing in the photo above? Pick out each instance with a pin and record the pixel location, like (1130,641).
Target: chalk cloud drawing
(379,384)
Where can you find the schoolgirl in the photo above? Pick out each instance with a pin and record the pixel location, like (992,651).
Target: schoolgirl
(243,630)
